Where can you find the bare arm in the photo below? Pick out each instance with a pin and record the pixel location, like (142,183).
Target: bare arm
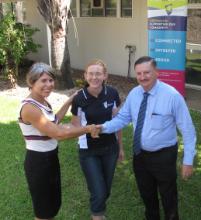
(75,121)
(61,113)
(31,114)
(121,149)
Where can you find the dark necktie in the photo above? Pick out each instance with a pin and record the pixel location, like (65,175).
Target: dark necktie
(140,123)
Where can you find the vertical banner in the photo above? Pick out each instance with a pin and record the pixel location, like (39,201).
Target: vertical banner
(167,22)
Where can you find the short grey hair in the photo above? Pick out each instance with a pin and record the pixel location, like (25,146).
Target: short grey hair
(36,71)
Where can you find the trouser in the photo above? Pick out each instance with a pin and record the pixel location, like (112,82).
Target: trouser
(99,171)
(42,172)
(156,171)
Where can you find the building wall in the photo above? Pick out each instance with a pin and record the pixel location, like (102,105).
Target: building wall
(101,37)
(106,38)
(42,37)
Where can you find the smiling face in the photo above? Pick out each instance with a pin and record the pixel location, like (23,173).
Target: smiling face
(95,75)
(43,86)
(146,75)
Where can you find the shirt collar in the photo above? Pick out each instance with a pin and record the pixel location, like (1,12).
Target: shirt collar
(153,89)
(88,95)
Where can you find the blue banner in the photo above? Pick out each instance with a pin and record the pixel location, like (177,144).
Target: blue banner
(167,22)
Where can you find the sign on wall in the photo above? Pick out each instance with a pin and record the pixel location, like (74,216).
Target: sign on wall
(167,22)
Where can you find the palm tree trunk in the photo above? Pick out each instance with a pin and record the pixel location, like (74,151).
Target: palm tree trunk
(60,58)
(19,12)
(66,67)
(55,14)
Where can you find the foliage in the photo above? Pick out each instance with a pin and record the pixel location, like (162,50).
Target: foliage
(80,83)
(124,202)
(16,42)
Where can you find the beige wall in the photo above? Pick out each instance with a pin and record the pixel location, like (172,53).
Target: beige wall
(103,38)
(35,19)
(8,1)
(106,38)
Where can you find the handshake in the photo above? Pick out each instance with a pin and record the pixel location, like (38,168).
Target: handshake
(94,130)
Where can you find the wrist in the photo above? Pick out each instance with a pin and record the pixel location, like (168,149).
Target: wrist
(88,128)
(121,145)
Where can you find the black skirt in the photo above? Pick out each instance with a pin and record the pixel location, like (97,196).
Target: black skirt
(42,172)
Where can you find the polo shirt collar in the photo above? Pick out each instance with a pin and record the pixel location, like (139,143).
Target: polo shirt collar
(88,95)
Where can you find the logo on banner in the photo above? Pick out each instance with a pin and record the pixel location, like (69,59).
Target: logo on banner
(168,9)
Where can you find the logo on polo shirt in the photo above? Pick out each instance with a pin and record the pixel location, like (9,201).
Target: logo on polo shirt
(106,105)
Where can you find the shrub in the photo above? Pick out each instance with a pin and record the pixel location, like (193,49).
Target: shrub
(15,43)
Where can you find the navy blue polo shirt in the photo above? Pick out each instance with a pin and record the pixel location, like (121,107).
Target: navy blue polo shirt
(95,110)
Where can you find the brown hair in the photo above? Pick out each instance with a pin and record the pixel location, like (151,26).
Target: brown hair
(145,59)
(36,71)
(96,62)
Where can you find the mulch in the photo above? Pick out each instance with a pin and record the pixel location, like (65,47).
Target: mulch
(122,84)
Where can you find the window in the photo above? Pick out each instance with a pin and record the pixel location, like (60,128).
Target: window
(193,46)
(126,8)
(194,1)
(97,9)
(97,3)
(105,8)
(73,8)
(110,8)
(16,8)
(85,6)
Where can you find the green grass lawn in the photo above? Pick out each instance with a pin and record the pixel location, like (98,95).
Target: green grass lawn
(124,203)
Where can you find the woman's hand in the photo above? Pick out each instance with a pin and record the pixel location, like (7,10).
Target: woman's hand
(121,154)
(71,97)
(94,131)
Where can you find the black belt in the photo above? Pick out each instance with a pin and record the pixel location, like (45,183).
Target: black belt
(160,150)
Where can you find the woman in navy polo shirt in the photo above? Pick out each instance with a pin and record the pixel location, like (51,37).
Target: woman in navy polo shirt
(95,104)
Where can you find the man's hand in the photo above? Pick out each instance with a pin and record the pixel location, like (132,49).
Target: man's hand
(186,171)
(94,130)
(121,154)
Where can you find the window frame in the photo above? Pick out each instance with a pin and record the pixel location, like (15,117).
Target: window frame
(118,8)
(96,7)
(121,10)
(74,9)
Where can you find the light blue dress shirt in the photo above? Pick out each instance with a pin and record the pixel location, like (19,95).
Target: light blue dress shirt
(166,111)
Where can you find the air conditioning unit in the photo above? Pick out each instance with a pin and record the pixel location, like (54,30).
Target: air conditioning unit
(97,3)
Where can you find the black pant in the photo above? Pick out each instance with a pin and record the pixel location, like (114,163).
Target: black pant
(156,171)
(42,171)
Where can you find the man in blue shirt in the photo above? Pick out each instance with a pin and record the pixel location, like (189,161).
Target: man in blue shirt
(155,153)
